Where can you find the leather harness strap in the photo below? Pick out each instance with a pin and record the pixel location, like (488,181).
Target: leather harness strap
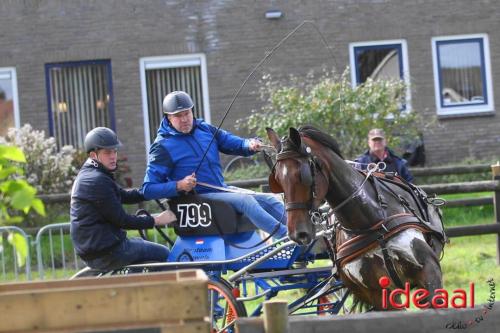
(362,243)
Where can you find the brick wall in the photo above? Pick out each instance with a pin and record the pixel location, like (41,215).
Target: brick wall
(234,36)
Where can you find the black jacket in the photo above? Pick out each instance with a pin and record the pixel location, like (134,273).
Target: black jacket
(393,163)
(97,215)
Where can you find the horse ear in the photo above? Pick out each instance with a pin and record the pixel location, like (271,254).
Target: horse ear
(294,136)
(274,138)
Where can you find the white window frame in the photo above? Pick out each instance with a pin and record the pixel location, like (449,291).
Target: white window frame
(404,57)
(464,109)
(11,71)
(172,61)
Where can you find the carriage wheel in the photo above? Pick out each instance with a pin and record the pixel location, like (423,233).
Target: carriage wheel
(224,308)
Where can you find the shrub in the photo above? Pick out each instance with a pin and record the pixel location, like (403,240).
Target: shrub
(47,168)
(15,193)
(331,103)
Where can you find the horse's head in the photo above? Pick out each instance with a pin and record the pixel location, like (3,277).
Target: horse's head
(298,175)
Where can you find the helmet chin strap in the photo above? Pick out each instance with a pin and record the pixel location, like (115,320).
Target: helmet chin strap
(98,161)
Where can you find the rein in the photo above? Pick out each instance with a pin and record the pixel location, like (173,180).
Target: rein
(371,168)
(261,62)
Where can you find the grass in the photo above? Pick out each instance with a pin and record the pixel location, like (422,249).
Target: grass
(471,259)
(458,216)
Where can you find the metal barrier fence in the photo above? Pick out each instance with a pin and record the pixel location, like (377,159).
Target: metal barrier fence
(55,254)
(10,248)
(61,253)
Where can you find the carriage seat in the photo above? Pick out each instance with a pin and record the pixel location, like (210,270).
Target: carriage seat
(197,216)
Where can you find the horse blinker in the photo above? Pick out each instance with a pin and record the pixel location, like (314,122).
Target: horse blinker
(305,174)
(274,186)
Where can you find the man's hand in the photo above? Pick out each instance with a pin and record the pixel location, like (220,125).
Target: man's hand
(187,184)
(255,145)
(165,218)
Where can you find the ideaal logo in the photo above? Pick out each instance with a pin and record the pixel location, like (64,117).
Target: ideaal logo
(441,299)
(460,298)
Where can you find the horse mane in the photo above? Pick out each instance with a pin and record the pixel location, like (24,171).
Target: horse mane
(325,139)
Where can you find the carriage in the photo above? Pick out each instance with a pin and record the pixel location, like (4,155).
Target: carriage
(244,268)
(383,228)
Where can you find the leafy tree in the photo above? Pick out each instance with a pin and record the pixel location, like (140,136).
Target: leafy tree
(332,104)
(47,168)
(16,195)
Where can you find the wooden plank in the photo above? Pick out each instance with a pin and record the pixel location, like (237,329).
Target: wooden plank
(479,320)
(104,281)
(450,170)
(436,321)
(144,299)
(276,316)
(473,230)
(496,205)
(197,327)
(469,202)
(181,327)
(469,187)
(250,325)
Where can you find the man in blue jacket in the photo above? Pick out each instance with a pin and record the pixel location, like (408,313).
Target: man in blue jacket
(379,152)
(97,216)
(178,149)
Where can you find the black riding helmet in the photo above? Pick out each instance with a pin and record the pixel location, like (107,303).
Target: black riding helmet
(101,138)
(177,101)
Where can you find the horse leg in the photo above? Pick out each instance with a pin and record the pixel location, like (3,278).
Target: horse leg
(429,277)
(362,275)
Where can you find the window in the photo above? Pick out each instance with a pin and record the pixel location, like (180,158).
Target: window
(380,60)
(462,77)
(161,75)
(9,104)
(80,97)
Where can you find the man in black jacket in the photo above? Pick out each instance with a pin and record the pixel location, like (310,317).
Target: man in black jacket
(379,152)
(97,215)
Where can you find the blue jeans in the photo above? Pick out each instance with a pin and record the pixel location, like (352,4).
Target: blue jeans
(265,211)
(130,251)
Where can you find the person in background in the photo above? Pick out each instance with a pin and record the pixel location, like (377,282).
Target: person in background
(97,217)
(379,152)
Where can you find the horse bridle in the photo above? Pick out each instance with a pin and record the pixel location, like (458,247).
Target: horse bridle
(307,176)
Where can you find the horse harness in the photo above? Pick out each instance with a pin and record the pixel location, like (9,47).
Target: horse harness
(364,239)
(367,239)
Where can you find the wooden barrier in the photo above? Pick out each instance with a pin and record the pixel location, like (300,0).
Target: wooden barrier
(478,320)
(158,302)
(450,170)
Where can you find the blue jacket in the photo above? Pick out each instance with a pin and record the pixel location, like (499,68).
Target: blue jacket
(96,213)
(392,161)
(175,155)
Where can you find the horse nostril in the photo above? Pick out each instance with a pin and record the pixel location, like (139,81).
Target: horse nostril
(303,238)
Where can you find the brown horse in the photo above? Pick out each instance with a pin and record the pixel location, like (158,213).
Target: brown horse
(384,226)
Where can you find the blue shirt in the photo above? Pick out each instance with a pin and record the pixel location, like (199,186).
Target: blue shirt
(175,155)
